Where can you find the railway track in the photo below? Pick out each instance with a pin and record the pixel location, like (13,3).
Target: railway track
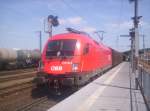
(47,101)
(33,104)
(34,98)
(12,84)
(16,71)
(11,77)
(16,81)
(16,87)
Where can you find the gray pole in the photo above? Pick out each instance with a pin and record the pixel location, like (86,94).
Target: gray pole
(136,30)
(143,43)
(136,42)
(50,28)
(40,40)
(102,35)
(132,54)
(40,36)
(40,45)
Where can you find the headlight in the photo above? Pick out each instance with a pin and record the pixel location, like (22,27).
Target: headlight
(78,45)
(75,66)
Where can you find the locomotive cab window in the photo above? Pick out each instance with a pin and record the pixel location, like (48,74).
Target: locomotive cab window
(86,49)
(62,47)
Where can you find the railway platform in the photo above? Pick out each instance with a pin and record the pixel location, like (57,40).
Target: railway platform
(113,91)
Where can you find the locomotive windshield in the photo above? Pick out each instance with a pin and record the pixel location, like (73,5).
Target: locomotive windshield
(64,47)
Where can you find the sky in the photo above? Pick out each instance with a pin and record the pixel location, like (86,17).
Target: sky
(20,21)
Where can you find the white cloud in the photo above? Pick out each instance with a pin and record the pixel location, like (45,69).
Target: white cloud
(62,21)
(145,24)
(117,28)
(71,20)
(127,25)
(88,29)
(41,20)
(123,25)
(75,20)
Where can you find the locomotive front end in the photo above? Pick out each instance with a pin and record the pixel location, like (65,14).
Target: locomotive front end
(60,61)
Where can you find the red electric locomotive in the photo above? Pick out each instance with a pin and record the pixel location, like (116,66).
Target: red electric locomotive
(73,58)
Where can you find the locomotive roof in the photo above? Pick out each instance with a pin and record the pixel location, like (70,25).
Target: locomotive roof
(82,36)
(70,36)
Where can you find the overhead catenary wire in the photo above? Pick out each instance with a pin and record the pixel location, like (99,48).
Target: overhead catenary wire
(72,9)
(75,12)
(119,21)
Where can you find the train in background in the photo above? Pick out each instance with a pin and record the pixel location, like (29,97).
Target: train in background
(73,58)
(13,59)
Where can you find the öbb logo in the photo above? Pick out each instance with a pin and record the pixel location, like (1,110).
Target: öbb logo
(56,68)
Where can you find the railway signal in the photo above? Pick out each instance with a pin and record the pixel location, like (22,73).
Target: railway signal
(52,21)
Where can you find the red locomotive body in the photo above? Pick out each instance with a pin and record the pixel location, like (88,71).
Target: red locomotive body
(75,57)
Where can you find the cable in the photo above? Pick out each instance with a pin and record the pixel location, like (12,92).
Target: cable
(68,5)
(72,9)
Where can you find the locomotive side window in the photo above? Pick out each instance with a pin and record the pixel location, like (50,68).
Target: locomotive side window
(65,47)
(86,49)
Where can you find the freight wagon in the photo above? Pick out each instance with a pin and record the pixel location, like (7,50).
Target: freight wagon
(12,59)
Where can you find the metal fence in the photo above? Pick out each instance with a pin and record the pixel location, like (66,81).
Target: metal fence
(144,79)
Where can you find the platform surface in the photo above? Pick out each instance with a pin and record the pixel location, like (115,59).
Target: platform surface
(110,92)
